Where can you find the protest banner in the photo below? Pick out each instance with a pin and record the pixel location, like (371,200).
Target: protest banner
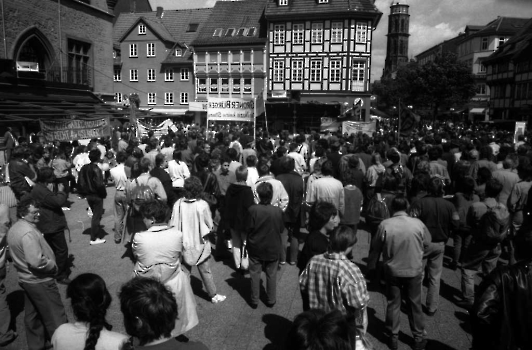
(230,109)
(351,127)
(75,129)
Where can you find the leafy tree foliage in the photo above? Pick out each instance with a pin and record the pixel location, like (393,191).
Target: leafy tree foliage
(444,82)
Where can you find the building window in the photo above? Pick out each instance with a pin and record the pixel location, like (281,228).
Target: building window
(336,32)
(481,68)
(118,97)
(252,31)
(230,32)
(213,85)
(133,75)
(297,70)
(323,1)
(151,98)
(317,33)
(225,85)
(278,70)
(150,49)
(78,62)
(133,50)
(178,53)
(151,74)
(169,75)
(484,44)
(185,74)
(202,86)
(192,27)
(183,98)
(118,75)
(359,74)
(335,69)
(481,89)
(283,2)
(142,29)
(168,98)
(502,40)
(218,32)
(278,34)
(247,86)
(298,33)
(236,85)
(361,32)
(315,70)
(241,32)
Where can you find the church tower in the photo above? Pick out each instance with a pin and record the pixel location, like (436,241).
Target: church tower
(398,33)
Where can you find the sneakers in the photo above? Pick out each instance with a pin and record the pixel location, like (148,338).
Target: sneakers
(218,298)
(97,241)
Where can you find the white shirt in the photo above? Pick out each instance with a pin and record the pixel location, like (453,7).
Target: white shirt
(118,173)
(178,173)
(72,336)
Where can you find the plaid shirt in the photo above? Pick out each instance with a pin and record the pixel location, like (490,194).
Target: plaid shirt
(332,281)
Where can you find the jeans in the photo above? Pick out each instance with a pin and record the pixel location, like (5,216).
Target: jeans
(237,239)
(478,255)
(206,276)
(44,312)
(6,334)
(290,233)
(120,213)
(462,239)
(410,289)
(433,260)
(256,266)
(96,204)
(58,243)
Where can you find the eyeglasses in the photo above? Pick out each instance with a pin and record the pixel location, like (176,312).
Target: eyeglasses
(34,212)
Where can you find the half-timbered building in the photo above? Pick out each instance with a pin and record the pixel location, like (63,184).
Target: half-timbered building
(319,55)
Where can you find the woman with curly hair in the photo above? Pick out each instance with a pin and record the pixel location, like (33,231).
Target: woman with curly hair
(90,300)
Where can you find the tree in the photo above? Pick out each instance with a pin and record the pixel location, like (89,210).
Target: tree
(444,82)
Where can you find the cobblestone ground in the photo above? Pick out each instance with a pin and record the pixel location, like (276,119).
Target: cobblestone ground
(233,325)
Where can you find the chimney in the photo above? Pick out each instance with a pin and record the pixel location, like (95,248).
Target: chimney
(132,6)
(160,12)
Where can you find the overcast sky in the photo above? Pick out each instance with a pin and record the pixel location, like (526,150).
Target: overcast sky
(433,21)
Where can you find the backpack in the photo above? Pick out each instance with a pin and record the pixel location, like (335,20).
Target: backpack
(494,225)
(377,210)
(140,194)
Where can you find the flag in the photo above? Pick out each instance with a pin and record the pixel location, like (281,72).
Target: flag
(259,104)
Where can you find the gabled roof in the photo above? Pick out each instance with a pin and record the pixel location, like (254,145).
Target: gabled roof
(500,26)
(517,47)
(341,8)
(156,27)
(175,23)
(186,57)
(236,15)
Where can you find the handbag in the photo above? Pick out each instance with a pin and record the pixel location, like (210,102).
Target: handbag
(244,258)
(208,197)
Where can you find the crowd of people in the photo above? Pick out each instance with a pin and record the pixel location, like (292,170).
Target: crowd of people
(264,202)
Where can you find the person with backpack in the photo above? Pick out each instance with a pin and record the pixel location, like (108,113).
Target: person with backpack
(440,216)
(402,174)
(374,176)
(92,185)
(489,221)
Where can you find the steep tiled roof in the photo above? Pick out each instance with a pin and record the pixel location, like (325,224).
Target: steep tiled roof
(237,14)
(502,26)
(518,46)
(312,7)
(175,23)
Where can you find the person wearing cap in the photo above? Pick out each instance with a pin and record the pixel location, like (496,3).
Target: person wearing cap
(7,335)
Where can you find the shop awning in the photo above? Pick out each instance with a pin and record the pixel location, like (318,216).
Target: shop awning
(477,111)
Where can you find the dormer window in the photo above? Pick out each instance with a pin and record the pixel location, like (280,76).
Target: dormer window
(241,32)
(252,31)
(192,27)
(323,1)
(230,32)
(142,29)
(283,2)
(218,32)
(178,53)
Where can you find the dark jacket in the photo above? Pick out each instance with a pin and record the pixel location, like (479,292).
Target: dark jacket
(294,186)
(91,181)
(264,227)
(52,218)
(18,169)
(501,317)
(165,179)
(238,199)
(438,214)
(315,244)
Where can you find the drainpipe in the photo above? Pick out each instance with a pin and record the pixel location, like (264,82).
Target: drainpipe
(4,27)
(60,40)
